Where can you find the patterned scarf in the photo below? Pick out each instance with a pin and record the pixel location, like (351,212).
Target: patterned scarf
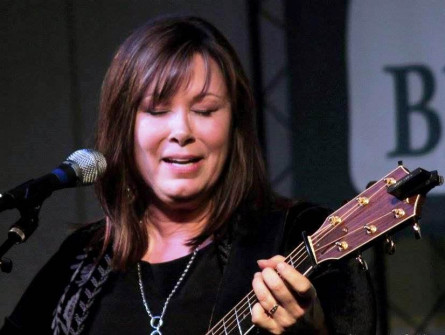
(85,285)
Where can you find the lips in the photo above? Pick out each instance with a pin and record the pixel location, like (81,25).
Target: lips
(183,166)
(182,160)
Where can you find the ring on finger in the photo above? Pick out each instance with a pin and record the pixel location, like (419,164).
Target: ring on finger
(273,310)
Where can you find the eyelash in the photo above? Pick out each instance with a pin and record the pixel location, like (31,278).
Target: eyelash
(155,112)
(205,113)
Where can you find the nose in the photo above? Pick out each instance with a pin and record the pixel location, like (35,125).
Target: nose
(181,131)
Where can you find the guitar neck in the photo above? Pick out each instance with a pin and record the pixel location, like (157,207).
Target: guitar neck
(238,320)
(374,213)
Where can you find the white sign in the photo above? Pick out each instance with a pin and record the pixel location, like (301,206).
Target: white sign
(396,78)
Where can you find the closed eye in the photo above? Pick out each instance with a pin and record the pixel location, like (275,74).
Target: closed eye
(156,112)
(205,112)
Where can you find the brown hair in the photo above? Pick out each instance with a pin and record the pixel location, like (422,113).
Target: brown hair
(161,52)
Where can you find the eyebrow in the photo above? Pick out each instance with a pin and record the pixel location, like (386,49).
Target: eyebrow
(204,94)
(195,98)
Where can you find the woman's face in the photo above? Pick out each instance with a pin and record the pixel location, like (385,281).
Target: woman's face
(181,145)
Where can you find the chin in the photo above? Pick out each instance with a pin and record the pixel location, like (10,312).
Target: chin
(187,200)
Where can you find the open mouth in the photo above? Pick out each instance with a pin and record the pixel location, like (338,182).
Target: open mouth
(181,161)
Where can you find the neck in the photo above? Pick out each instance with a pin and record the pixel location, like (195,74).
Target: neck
(170,230)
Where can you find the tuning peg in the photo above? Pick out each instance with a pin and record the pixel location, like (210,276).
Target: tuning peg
(369,184)
(417,231)
(362,262)
(390,246)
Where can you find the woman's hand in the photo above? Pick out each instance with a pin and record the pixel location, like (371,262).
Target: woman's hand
(285,298)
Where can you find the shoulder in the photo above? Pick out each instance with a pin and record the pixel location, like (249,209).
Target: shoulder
(305,216)
(296,216)
(85,237)
(36,306)
(72,250)
(300,214)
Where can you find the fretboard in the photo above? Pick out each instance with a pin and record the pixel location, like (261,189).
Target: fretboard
(374,213)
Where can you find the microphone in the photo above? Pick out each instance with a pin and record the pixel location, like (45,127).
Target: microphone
(81,168)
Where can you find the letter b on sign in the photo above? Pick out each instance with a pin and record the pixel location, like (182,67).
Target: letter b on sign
(406,105)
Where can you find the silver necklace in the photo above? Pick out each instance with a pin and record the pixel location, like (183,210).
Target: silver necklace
(156,322)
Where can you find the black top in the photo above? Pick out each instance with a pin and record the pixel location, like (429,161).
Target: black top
(121,310)
(220,276)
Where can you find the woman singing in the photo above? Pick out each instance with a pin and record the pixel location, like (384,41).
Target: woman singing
(191,225)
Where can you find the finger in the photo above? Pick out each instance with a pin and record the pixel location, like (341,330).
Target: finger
(262,320)
(283,294)
(271,262)
(297,282)
(265,298)
(271,307)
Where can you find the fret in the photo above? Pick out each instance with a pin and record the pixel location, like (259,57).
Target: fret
(250,328)
(241,312)
(292,261)
(237,321)
(348,229)
(248,302)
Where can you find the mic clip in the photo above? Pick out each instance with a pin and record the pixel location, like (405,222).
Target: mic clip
(21,230)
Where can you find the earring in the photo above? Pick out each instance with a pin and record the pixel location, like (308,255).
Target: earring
(130,194)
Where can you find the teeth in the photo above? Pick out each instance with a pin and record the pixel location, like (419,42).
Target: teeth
(179,161)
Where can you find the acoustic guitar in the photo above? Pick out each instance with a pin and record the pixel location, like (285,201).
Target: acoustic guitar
(386,206)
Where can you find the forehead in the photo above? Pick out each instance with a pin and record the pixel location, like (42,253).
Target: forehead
(199,74)
(205,77)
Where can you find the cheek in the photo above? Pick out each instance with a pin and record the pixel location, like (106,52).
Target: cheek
(139,144)
(221,127)
(147,134)
(146,140)
(218,139)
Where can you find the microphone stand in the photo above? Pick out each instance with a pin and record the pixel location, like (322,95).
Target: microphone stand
(21,230)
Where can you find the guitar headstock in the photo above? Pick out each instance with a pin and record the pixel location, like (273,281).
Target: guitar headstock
(372,214)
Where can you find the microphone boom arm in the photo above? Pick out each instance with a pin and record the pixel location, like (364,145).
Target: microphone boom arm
(20,231)
(81,168)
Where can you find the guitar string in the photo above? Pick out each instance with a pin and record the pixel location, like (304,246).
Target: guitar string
(354,208)
(328,229)
(317,238)
(351,211)
(347,215)
(233,322)
(358,207)
(242,307)
(350,233)
(300,249)
(245,304)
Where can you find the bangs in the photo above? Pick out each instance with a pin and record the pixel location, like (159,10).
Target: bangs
(173,73)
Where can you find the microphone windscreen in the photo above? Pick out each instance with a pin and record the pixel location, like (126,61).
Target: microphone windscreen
(88,164)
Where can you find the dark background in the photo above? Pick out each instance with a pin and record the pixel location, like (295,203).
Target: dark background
(54,55)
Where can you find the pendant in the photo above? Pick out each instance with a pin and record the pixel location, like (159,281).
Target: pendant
(156,323)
